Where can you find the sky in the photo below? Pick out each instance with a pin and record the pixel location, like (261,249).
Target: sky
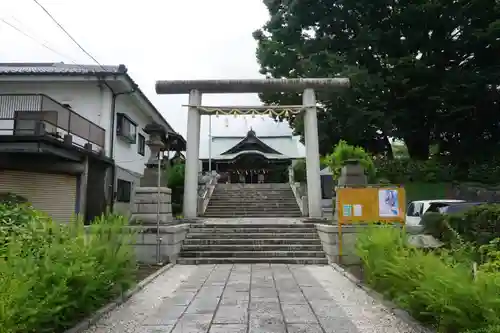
(156,40)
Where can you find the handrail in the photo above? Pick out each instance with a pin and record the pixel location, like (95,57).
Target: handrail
(64,118)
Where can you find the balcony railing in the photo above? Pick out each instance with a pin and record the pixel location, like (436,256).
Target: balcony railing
(38,114)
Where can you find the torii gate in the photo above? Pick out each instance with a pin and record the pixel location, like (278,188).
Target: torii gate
(195,89)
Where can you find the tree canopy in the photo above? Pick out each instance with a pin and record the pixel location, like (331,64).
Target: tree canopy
(423,71)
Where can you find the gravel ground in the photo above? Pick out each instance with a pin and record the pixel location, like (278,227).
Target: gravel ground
(250,299)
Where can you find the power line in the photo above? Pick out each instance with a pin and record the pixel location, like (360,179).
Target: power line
(68,34)
(36,41)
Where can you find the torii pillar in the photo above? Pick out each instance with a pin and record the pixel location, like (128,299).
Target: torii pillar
(195,89)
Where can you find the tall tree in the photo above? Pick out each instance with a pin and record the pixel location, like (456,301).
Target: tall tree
(407,61)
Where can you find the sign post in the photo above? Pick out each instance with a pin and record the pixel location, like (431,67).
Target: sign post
(369,204)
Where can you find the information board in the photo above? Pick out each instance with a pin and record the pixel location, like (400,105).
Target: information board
(371,204)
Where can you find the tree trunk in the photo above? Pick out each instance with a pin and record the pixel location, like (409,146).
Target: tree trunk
(418,147)
(388,148)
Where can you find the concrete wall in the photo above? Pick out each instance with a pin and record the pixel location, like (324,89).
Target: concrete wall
(329,235)
(145,243)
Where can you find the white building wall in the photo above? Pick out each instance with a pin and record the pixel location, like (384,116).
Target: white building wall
(126,154)
(86,98)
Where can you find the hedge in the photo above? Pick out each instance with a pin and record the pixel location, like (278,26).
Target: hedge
(53,275)
(400,171)
(479,225)
(437,290)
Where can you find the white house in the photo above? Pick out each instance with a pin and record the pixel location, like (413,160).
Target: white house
(69,134)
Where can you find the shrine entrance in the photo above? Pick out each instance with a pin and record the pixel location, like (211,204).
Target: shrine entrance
(196,88)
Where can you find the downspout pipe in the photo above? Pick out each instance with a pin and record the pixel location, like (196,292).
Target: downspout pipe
(114,96)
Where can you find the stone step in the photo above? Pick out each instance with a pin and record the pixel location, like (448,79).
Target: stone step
(276,230)
(240,209)
(236,215)
(254,236)
(252,254)
(233,260)
(237,198)
(255,202)
(256,212)
(252,247)
(251,242)
(215,214)
(243,205)
(252,225)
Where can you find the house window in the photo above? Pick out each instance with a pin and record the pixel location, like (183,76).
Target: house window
(123,190)
(141,144)
(126,128)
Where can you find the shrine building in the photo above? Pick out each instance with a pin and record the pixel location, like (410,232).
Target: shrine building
(251,158)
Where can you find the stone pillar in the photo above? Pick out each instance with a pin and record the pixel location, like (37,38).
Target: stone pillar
(190,208)
(312,154)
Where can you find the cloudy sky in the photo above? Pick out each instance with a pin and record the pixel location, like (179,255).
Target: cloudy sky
(155,39)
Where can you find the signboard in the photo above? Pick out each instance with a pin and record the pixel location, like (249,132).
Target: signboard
(371,204)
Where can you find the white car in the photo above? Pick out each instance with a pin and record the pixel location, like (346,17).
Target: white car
(418,208)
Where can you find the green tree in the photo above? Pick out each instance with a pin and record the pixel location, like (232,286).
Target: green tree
(425,72)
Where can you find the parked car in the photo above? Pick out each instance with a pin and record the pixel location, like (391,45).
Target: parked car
(459,207)
(418,208)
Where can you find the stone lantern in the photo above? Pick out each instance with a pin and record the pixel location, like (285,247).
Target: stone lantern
(156,145)
(352,174)
(152,200)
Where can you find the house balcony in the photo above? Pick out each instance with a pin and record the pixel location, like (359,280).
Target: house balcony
(25,117)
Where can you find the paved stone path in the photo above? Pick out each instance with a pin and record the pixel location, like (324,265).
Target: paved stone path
(251,299)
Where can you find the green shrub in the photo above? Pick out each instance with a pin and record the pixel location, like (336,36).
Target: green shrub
(12,198)
(53,275)
(343,152)
(299,171)
(436,289)
(175,181)
(479,225)
(400,171)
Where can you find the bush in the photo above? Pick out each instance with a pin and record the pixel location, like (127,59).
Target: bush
(439,291)
(12,198)
(299,171)
(400,171)
(343,152)
(53,275)
(479,225)
(175,181)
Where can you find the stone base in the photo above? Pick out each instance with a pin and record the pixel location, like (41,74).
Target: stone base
(329,235)
(145,208)
(170,245)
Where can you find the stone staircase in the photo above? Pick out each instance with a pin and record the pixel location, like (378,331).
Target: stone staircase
(252,200)
(252,243)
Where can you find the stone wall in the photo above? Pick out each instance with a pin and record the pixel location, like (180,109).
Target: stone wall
(329,235)
(145,243)
(170,246)
(145,209)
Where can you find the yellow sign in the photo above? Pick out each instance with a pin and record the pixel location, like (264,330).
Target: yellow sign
(371,204)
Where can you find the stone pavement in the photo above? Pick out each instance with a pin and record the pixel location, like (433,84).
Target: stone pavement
(249,299)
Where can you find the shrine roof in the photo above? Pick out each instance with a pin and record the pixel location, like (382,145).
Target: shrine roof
(249,85)
(287,145)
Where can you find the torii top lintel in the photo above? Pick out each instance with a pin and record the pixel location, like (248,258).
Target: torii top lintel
(249,86)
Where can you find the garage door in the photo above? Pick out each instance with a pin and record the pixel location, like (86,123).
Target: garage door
(52,193)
